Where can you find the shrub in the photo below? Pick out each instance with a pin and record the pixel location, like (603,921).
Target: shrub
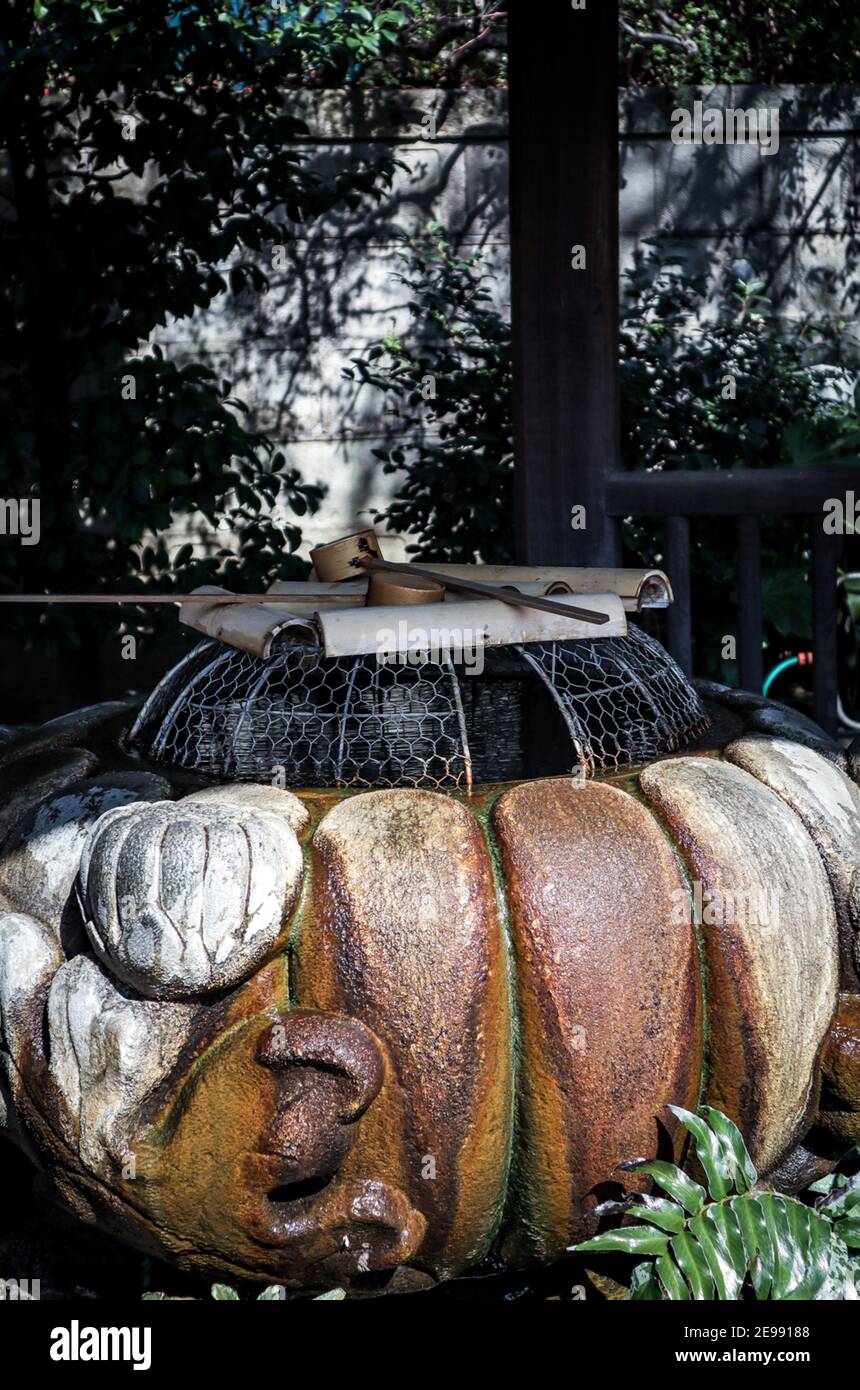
(163,152)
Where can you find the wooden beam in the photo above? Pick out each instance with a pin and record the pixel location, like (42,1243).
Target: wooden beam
(746,492)
(563,78)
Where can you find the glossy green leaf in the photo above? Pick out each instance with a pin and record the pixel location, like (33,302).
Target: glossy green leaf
(660,1212)
(673,1281)
(757,1243)
(644,1285)
(693,1264)
(726,1270)
(718,1166)
(632,1240)
(848,1230)
(672,1180)
(723,1218)
(743,1169)
(776,1215)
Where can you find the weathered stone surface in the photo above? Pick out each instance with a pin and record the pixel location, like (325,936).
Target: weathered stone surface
(354,1115)
(404,935)
(255,797)
(38,874)
(609,997)
(840,1110)
(729,695)
(853,759)
(29,957)
(770,940)
(828,803)
(32,780)
(184,898)
(108,1053)
(81,727)
(780,722)
(251,1156)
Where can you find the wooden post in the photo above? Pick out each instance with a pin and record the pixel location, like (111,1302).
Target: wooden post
(680,624)
(825,557)
(563,77)
(750,604)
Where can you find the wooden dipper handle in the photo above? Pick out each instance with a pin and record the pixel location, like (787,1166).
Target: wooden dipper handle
(471,586)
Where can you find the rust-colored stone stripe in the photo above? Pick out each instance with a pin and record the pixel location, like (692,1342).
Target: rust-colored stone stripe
(609,999)
(402,932)
(769,932)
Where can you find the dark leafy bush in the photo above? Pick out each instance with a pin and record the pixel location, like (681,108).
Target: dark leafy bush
(451,382)
(742,42)
(163,152)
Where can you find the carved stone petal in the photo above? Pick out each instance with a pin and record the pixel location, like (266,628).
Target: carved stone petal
(256,797)
(404,935)
(108,1053)
(183,898)
(771,947)
(609,997)
(828,803)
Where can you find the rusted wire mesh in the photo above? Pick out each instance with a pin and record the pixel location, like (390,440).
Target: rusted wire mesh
(299,720)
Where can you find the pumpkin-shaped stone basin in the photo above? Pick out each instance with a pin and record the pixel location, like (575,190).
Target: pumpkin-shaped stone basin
(329,1038)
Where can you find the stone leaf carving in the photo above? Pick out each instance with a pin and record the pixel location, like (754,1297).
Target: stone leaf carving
(29,957)
(108,1053)
(184,899)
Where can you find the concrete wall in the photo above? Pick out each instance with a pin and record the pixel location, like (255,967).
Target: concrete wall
(793,215)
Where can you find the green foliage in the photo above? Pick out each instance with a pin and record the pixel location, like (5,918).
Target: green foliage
(452,381)
(738,392)
(109,238)
(792,404)
(790,42)
(744,1241)
(413,43)
(274,1293)
(727,394)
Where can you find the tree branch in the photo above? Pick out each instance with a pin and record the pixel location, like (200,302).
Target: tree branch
(667,40)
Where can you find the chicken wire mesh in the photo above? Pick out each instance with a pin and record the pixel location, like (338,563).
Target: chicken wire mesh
(301,720)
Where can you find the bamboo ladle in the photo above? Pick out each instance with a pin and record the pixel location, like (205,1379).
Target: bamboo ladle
(472,586)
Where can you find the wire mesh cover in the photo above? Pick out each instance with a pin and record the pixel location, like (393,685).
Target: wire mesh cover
(300,720)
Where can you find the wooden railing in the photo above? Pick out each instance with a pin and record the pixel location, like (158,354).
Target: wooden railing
(744,497)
